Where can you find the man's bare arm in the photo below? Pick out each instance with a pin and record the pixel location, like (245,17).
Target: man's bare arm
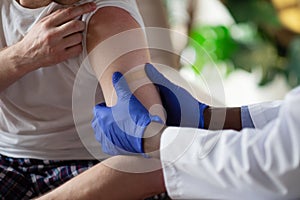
(55,38)
(114,179)
(106,23)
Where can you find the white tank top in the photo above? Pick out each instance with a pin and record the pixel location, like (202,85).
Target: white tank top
(36,117)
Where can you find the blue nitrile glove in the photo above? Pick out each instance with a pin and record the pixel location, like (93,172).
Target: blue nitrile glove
(120,128)
(181,107)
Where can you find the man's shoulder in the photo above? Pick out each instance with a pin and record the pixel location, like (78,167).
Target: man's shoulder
(109,2)
(128,5)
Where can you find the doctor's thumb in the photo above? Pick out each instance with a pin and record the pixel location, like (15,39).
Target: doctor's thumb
(157,78)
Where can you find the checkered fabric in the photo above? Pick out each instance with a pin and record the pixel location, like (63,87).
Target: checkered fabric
(22,179)
(163,196)
(29,178)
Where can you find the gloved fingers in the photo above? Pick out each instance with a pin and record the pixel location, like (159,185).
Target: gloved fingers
(97,130)
(106,145)
(100,105)
(99,110)
(157,78)
(164,84)
(121,86)
(106,142)
(95,125)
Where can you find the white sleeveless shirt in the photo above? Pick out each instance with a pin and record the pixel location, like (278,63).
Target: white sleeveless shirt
(36,117)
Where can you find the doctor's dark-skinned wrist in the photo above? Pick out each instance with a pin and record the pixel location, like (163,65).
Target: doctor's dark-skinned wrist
(216,118)
(181,107)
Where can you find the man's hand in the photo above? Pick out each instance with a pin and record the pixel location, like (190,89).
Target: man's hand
(120,129)
(55,38)
(181,107)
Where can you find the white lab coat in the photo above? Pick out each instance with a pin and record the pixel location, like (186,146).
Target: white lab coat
(260,163)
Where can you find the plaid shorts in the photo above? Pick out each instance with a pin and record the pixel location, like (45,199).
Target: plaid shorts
(28,178)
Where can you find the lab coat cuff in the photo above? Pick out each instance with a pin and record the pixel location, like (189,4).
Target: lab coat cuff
(246,118)
(263,113)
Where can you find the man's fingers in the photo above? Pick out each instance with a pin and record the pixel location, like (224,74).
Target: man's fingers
(64,15)
(73,51)
(121,86)
(72,40)
(99,110)
(71,27)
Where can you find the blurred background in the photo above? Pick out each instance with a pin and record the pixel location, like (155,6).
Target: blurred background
(253,43)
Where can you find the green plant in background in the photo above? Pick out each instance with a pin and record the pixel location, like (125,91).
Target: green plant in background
(292,70)
(252,43)
(263,50)
(211,44)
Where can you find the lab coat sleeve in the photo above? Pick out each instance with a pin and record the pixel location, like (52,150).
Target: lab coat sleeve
(251,164)
(263,113)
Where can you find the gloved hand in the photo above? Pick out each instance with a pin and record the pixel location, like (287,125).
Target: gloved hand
(182,108)
(120,128)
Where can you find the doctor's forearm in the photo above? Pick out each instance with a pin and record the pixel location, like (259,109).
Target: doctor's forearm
(222,118)
(214,119)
